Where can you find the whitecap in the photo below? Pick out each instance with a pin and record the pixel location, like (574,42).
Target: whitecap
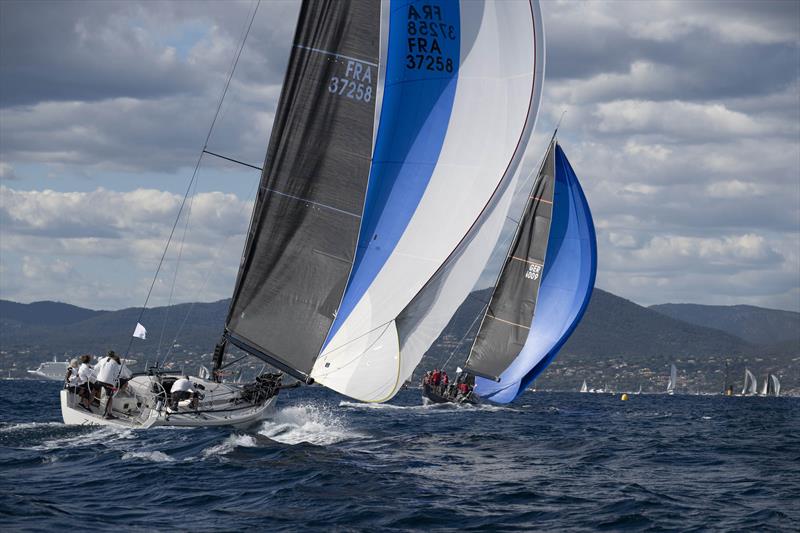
(306,423)
(230,444)
(155,456)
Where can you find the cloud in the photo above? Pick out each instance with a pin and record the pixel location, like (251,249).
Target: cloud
(683,125)
(89,51)
(54,241)
(7,172)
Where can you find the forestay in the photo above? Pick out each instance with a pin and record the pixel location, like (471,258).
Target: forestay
(462,87)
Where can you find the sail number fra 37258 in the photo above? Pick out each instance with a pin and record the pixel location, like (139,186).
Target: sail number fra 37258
(356,83)
(427,31)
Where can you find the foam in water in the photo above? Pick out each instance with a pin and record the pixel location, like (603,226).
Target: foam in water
(104,435)
(156,456)
(306,423)
(230,444)
(29,425)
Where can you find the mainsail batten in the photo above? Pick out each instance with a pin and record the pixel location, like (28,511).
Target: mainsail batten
(307,213)
(487,127)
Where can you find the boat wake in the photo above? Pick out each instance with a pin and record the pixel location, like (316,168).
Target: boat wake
(307,423)
(426,407)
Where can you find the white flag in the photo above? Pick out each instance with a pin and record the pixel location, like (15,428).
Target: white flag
(459,370)
(140,332)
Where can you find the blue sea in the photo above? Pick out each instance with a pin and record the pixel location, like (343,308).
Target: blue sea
(551,461)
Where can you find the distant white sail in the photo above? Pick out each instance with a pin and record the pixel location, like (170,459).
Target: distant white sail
(750,383)
(764,386)
(673,379)
(584,387)
(775,385)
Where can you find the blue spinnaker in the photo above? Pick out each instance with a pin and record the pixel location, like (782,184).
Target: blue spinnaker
(567,282)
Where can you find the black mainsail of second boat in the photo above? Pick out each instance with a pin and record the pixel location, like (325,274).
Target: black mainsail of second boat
(509,315)
(304,228)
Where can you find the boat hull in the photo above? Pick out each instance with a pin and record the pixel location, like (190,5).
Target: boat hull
(432,395)
(140,409)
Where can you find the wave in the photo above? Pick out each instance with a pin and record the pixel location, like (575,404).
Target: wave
(23,426)
(230,444)
(307,423)
(155,456)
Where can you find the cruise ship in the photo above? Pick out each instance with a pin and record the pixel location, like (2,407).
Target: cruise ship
(57,370)
(54,369)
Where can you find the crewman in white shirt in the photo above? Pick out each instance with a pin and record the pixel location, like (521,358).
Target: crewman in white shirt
(86,377)
(108,370)
(182,389)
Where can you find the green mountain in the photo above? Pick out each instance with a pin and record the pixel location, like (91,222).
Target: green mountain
(618,343)
(754,324)
(623,345)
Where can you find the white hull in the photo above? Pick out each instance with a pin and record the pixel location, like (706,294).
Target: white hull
(140,408)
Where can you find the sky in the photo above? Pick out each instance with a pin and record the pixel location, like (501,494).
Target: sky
(682,123)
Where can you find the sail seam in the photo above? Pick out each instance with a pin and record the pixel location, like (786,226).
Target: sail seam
(334,54)
(527,261)
(507,322)
(312,202)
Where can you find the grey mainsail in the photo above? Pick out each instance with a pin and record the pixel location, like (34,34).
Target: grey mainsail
(304,228)
(509,315)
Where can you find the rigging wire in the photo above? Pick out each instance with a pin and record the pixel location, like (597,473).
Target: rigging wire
(249,197)
(458,344)
(177,267)
(194,172)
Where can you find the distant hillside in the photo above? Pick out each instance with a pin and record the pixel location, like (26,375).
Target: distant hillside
(619,327)
(753,324)
(104,330)
(625,344)
(43,313)
(618,342)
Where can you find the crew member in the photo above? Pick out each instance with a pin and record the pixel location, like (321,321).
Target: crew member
(108,370)
(183,389)
(70,380)
(86,377)
(436,377)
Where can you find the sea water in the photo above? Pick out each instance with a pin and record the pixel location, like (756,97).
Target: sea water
(551,461)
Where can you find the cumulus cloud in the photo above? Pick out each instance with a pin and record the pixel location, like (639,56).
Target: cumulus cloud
(62,239)
(683,125)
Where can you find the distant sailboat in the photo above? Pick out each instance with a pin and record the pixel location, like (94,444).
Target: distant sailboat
(774,387)
(765,385)
(640,389)
(584,387)
(750,383)
(673,380)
